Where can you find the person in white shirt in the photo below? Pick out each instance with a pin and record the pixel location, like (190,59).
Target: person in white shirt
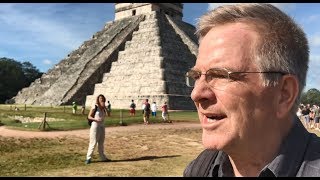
(154,109)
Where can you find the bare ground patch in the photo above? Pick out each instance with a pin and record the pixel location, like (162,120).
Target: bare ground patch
(137,150)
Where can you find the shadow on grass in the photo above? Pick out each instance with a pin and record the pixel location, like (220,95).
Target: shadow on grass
(139,159)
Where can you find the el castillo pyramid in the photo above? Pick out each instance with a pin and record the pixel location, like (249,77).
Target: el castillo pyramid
(144,53)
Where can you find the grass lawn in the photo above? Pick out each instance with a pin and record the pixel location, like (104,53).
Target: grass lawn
(160,152)
(69,121)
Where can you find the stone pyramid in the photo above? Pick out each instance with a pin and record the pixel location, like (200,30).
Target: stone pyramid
(143,54)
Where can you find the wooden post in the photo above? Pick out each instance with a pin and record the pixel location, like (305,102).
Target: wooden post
(10,107)
(44,122)
(120,117)
(25,107)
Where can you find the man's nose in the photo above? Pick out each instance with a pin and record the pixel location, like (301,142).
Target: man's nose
(201,90)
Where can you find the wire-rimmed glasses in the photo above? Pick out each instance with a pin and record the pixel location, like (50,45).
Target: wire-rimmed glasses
(218,77)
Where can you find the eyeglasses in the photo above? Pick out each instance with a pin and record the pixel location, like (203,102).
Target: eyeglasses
(218,77)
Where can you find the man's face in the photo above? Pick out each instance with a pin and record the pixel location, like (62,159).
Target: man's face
(237,113)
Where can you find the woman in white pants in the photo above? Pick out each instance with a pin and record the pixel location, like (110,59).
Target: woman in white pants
(97,130)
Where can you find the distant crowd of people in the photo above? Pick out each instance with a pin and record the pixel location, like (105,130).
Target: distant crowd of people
(309,115)
(148,109)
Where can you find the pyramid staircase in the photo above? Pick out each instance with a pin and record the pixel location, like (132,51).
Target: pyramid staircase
(152,65)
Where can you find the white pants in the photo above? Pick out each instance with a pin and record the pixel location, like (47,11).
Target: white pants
(164,116)
(97,135)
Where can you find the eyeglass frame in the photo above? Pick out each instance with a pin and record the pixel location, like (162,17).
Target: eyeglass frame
(229,73)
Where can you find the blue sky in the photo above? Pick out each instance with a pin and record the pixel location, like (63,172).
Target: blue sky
(44,33)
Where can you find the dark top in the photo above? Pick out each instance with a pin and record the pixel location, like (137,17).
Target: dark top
(147,107)
(299,156)
(305,111)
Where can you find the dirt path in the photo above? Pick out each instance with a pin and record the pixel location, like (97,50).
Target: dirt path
(84,133)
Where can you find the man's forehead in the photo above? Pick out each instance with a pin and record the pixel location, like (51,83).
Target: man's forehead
(226,42)
(230,31)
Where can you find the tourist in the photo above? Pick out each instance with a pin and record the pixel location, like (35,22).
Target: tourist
(97,129)
(146,112)
(109,109)
(164,113)
(74,107)
(154,109)
(306,114)
(316,117)
(132,108)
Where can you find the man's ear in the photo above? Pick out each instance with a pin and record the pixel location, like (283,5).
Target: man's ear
(289,89)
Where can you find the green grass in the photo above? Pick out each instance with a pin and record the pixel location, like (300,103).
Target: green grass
(156,152)
(78,121)
(20,157)
(140,153)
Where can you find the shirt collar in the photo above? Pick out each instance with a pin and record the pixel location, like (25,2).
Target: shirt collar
(221,166)
(292,149)
(285,164)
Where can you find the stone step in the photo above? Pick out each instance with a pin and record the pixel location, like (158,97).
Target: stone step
(134,79)
(148,23)
(156,51)
(142,44)
(153,35)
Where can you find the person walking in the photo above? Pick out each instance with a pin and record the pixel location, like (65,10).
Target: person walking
(305,113)
(164,113)
(146,112)
(154,109)
(316,117)
(109,109)
(132,108)
(97,130)
(74,107)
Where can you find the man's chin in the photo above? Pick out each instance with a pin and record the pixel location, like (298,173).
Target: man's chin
(211,141)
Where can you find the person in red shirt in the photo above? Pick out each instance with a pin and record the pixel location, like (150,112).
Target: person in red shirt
(164,109)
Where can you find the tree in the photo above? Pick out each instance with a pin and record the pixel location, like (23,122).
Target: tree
(30,72)
(312,96)
(14,76)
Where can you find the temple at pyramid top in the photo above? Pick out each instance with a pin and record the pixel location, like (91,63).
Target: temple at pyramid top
(123,10)
(143,53)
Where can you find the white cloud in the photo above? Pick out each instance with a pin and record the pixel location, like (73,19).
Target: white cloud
(315,40)
(39,31)
(315,58)
(313,80)
(282,6)
(47,62)
(39,28)
(313,18)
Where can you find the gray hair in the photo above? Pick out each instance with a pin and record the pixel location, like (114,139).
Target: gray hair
(282,44)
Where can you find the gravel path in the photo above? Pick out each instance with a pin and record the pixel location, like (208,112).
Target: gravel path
(84,133)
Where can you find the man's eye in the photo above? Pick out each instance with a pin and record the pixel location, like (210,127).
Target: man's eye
(194,75)
(216,75)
